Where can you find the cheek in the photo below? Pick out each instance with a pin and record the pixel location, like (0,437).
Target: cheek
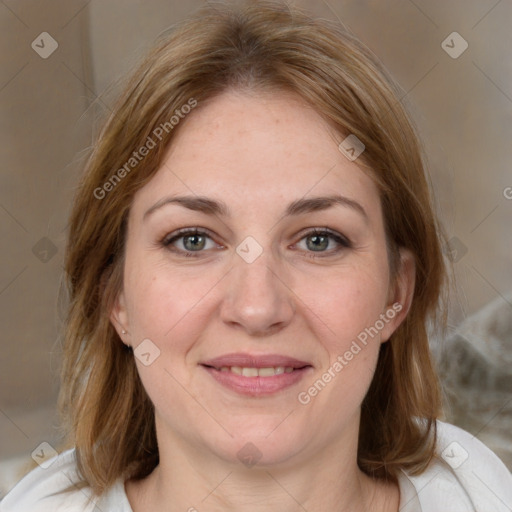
(165,306)
(171,311)
(345,303)
(343,311)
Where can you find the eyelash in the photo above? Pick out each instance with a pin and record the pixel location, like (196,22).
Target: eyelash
(182,233)
(344,242)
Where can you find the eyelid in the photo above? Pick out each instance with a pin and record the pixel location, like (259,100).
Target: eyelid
(340,240)
(182,232)
(168,240)
(343,239)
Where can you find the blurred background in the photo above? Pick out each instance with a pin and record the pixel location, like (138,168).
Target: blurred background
(60,63)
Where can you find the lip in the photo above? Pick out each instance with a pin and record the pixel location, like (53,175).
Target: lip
(252,361)
(256,386)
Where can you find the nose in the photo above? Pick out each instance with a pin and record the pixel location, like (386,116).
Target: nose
(257,299)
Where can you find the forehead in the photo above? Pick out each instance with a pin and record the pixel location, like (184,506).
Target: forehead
(257,147)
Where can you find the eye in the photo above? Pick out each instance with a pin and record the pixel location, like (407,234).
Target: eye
(323,241)
(189,241)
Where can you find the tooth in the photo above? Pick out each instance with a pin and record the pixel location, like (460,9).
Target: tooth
(267,372)
(249,372)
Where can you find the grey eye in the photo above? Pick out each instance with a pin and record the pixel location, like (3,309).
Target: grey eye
(194,242)
(317,242)
(190,240)
(322,241)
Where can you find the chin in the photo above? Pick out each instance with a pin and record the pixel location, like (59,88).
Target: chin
(264,445)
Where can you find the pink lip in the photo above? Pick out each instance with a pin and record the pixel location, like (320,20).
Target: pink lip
(248,361)
(256,386)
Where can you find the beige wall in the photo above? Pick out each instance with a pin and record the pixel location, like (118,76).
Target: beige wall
(463,108)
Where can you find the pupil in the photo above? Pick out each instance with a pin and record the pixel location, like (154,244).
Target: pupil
(318,242)
(194,242)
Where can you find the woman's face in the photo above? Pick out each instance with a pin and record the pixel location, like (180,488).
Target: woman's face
(256,283)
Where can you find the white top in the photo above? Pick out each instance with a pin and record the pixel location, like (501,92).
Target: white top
(465,476)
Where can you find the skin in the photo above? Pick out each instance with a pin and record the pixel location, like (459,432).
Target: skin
(257,153)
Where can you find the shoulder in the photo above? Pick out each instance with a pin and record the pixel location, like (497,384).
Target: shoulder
(465,476)
(59,487)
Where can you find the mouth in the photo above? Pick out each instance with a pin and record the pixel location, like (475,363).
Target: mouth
(249,371)
(256,375)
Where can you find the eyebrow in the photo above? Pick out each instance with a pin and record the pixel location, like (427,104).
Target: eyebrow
(299,207)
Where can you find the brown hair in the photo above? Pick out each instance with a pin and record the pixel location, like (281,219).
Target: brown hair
(257,46)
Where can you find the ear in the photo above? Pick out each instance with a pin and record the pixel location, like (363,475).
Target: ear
(119,318)
(400,295)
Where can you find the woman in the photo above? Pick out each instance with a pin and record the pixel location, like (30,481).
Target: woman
(252,261)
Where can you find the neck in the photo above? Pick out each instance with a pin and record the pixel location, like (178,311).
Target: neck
(329,481)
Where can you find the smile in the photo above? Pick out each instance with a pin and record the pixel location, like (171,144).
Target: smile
(254,382)
(256,372)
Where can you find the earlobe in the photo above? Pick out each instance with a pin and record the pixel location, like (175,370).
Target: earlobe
(119,317)
(401,294)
